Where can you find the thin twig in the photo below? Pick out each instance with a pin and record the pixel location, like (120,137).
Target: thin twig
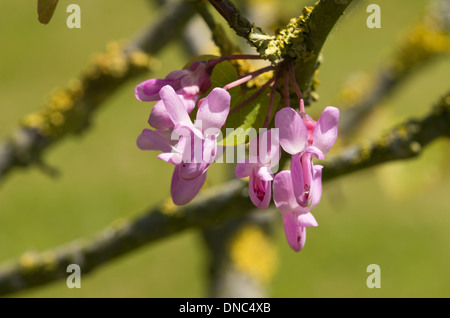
(254,96)
(271,104)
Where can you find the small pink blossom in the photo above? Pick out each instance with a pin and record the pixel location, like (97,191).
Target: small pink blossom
(296,218)
(305,139)
(264,157)
(196,147)
(188,85)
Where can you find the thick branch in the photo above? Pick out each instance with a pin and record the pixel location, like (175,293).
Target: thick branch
(210,208)
(319,23)
(232,15)
(301,40)
(219,36)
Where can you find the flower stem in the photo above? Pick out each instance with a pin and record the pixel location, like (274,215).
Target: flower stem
(254,96)
(248,77)
(296,88)
(287,101)
(269,111)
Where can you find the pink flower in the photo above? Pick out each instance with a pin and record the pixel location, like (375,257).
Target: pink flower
(296,218)
(197,144)
(188,85)
(263,158)
(305,139)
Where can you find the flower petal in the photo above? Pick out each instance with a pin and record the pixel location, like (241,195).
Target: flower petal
(213,109)
(184,191)
(301,173)
(295,235)
(293,132)
(175,106)
(155,140)
(316,152)
(269,147)
(209,149)
(148,90)
(260,191)
(244,169)
(316,190)
(191,171)
(283,194)
(199,72)
(264,173)
(170,157)
(159,117)
(326,130)
(306,219)
(267,196)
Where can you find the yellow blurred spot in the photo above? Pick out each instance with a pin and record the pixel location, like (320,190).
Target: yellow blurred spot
(28,260)
(33,120)
(140,59)
(169,208)
(253,253)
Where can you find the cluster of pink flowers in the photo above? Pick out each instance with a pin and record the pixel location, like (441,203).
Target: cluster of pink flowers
(296,192)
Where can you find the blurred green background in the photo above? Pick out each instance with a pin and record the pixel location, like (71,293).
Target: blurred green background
(396,216)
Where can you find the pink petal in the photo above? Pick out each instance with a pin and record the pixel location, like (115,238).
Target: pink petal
(316,152)
(184,191)
(178,75)
(188,131)
(316,191)
(269,147)
(191,171)
(199,71)
(301,172)
(148,90)
(203,156)
(326,130)
(267,197)
(295,235)
(213,109)
(159,117)
(170,157)
(175,106)
(283,194)
(155,140)
(190,85)
(264,173)
(306,219)
(209,149)
(293,132)
(244,169)
(260,191)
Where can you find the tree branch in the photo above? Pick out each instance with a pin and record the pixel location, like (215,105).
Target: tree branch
(317,24)
(404,141)
(210,208)
(424,43)
(70,110)
(220,38)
